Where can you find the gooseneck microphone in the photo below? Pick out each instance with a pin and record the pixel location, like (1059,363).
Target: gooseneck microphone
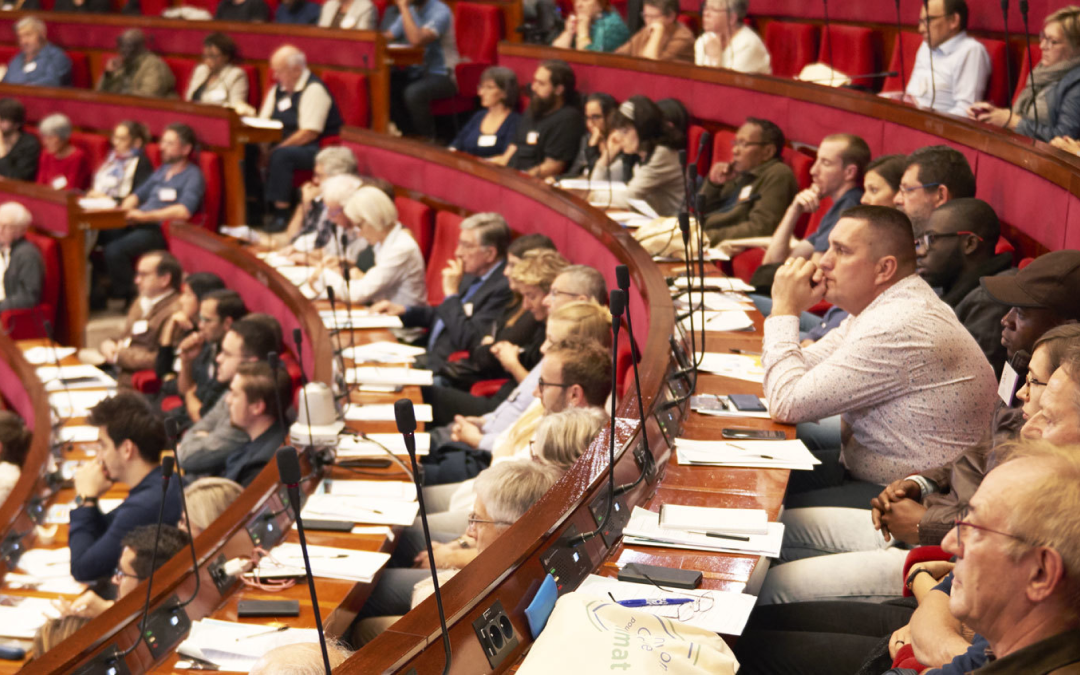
(617,303)
(1031,64)
(167,466)
(684,225)
(699,207)
(900,46)
(288,465)
(405,417)
(275,363)
(172,432)
(1008,62)
(622,278)
(298,340)
(339,357)
(828,41)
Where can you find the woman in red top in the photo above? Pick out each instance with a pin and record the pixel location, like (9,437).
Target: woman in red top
(62,165)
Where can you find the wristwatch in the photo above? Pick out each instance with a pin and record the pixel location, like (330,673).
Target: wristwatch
(81,501)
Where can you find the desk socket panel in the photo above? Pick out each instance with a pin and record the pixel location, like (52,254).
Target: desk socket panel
(166,627)
(496,634)
(105,663)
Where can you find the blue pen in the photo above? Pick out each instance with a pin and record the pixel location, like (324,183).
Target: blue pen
(653,602)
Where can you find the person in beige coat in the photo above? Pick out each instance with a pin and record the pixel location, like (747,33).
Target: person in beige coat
(137,71)
(348,15)
(218,80)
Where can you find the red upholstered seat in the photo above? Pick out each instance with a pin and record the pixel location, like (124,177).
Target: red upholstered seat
(380,7)
(746,263)
(623,363)
(95,146)
(1025,68)
(811,223)
(208,5)
(254,90)
(8,52)
(1025,262)
(478,29)
(791,45)
(853,50)
(721,146)
(997,89)
(181,69)
(691,21)
(447,229)
(350,91)
(420,219)
(154,7)
(909,43)
(487,388)
(28,323)
(146,382)
(209,216)
(693,140)
(800,164)
(1004,246)
(80,70)
(918,555)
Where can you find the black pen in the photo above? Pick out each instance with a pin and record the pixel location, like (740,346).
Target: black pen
(714,535)
(745,352)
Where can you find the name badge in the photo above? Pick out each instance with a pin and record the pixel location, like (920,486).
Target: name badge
(486,141)
(109,181)
(467,308)
(532,137)
(284,104)
(1008,386)
(167,194)
(348,22)
(30,67)
(216,96)
(139,327)
(745,193)
(59,183)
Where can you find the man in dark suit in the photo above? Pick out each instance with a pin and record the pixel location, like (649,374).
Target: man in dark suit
(257,399)
(476,291)
(21,267)
(132,438)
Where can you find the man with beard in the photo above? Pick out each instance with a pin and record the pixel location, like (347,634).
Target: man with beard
(933,176)
(954,248)
(547,139)
(173,192)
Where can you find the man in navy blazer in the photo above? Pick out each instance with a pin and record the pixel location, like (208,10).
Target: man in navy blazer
(476,291)
(132,437)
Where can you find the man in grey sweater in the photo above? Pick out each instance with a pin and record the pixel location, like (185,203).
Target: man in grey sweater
(21,267)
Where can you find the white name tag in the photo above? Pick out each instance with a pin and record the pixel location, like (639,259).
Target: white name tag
(348,22)
(284,104)
(1008,385)
(30,67)
(216,96)
(167,194)
(467,308)
(59,183)
(745,193)
(109,181)
(486,141)
(139,327)
(532,137)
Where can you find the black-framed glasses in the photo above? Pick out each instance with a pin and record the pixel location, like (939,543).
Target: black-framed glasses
(926,239)
(553,292)
(739,143)
(1032,382)
(924,186)
(930,17)
(1043,37)
(962,522)
(119,575)
(541,384)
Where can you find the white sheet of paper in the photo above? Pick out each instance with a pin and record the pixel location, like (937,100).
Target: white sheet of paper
(355,446)
(726,284)
(328,562)
(712,519)
(77,434)
(786,454)
(60,514)
(384,412)
(355,509)
(376,489)
(77,403)
(736,366)
(397,377)
(81,376)
(24,619)
(97,203)
(296,274)
(217,642)
(644,529)
(361,322)
(46,355)
(383,352)
(244,232)
(260,123)
(642,207)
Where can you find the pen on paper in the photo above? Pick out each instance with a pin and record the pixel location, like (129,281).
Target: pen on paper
(653,602)
(717,535)
(279,629)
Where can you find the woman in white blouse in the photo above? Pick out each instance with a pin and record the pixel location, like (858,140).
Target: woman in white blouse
(727,42)
(218,80)
(392,270)
(127,166)
(348,14)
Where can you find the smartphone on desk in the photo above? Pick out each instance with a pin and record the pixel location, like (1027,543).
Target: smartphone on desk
(747,403)
(734,434)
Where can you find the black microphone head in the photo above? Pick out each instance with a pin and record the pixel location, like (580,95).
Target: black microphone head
(297,337)
(405,416)
(288,465)
(330,294)
(168,464)
(47,325)
(699,206)
(1004,6)
(684,227)
(1024,8)
(344,240)
(682,157)
(172,432)
(616,303)
(703,142)
(274,360)
(622,277)
(691,170)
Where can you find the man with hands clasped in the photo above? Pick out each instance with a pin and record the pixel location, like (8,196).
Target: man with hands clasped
(663,37)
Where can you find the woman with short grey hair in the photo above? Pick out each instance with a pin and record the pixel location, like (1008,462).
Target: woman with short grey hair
(310,229)
(63,166)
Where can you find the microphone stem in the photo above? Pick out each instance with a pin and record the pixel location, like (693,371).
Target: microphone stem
(641,406)
(294,497)
(153,568)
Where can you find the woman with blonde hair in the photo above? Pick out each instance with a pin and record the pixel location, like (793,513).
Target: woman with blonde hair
(55,631)
(207,498)
(563,436)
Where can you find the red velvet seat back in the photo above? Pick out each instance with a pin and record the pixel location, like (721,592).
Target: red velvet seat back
(1025,68)
(814,221)
(693,140)
(852,50)
(350,91)
(721,146)
(80,70)
(909,44)
(447,229)
(478,29)
(8,52)
(95,146)
(154,7)
(791,45)
(800,164)
(208,5)
(419,218)
(997,89)
(26,324)
(182,70)
(254,90)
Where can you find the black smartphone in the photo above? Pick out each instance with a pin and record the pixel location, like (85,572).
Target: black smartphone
(263,608)
(753,435)
(747,403)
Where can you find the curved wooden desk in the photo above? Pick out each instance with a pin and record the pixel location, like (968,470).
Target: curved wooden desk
(1034,188)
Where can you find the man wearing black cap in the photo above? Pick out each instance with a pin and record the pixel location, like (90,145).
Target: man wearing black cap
(1044,294)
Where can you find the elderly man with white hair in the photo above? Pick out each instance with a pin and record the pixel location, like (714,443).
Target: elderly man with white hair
(310,229)
(390,268)
(21,266)
(38,61)
(308,114)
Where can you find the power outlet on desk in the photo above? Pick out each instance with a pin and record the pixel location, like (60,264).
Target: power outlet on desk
(568,564)
(105,663)
(264,529)
(165,627)
(216,570)
(645,459)
(620,516)
(496,634)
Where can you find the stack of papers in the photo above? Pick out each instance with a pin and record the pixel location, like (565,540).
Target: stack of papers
(275,260)
(77,403)
(81,376)
(45,355)
(644,530)
(260,123)
(358,319)
(793,454)
(237,646)
(49,570)
(60,514)
(720,322)
(384,412)
(244,232)
(376,445)
(743,522)
(629,218)
(720,406)
(24,618)
(357,509)
(328,562)
(376,489)
(383,352)
(718,302)
(296,274)
(725,284)
(735,366)
(77,434)
(719,611)
(390,377)
(712,254)
(97,203)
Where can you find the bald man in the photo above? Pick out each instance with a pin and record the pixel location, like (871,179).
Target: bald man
(954,248)
(136,71)
(911,385)
(308,114)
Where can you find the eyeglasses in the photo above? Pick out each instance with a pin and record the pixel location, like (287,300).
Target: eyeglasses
(595,118)
(119,575)
(961,522)
(555,292)
(473,521)
(541,384)
(1043,37)
(739,143)
(1032,382)
(929,18)
(927,239)
(925,186)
